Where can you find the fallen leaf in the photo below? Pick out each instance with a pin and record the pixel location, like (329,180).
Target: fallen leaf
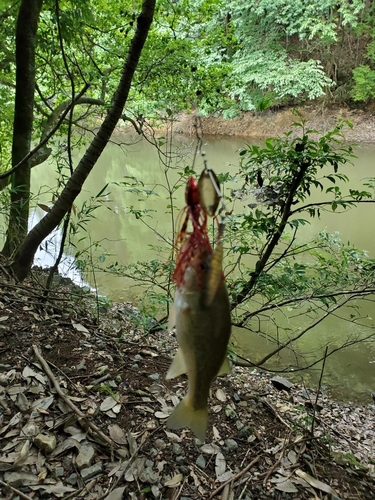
(220,464)
(12,433)
(155,389)
(135,469)
(216,433)
(133,447)
(13,421)
(225,477)
(80,328)
(41,404)
(21,458)
(286,486)
(117,434)
(160,414)
(117,408)
(22,402)
(315,483)
(173,437)
(292,457)
(108,404)
(30,429)
(176,480)
(28,372)
(116,494)
(210,449)
(57,489)
(15,389)
(67,444)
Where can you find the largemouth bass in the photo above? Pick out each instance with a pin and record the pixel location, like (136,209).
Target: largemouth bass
(201,314)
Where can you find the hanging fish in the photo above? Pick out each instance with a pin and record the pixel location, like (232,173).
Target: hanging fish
(201,315)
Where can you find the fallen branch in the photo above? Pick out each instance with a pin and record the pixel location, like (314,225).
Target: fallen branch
(87,488)
(68,401)
(18,492)
(234,478)
(276,413)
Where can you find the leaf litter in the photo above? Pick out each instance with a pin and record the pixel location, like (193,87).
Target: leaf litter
(92,425)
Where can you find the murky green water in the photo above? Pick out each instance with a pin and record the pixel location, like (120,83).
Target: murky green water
(349,374)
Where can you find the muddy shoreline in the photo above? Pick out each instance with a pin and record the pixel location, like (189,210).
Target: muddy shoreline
(275,123)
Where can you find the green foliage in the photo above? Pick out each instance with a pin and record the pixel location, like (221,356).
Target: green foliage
(364,80)
(307,18)
(281,177)
(349,458)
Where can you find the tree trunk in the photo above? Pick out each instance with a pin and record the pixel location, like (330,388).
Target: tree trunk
(24,257)
(27,25)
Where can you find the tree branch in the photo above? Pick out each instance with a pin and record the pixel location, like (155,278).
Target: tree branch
(304,298)
(300,334)
(43,141)
(325,203)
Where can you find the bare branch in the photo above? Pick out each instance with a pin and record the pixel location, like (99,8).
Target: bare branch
(304,298)
(328,203)
(302,332)
(45,140)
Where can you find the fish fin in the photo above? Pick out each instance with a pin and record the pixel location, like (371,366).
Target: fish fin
(215,276)
(225,368)
(178,366)
(184,415)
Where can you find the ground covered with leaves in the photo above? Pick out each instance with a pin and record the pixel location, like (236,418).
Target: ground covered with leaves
(83,404)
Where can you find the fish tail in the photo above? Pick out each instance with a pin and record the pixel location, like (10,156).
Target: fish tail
(184,415)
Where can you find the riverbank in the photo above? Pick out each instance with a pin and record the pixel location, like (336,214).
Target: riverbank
(274,123)
(84,400)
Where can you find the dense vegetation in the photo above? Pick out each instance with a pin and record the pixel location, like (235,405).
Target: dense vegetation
(72,69)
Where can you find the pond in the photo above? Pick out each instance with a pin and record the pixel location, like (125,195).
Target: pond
(114,234)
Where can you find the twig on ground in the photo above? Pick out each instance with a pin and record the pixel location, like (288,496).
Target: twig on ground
(234,478)
(15,490)
(276,413)
(244,488)
(315,406)
(67,400)
(87,488)
(271,470)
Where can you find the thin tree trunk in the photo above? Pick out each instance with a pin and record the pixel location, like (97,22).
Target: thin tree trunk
(262,262)
(26,30)
(25,255)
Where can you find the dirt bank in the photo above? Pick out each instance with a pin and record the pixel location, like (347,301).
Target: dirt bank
(275,123)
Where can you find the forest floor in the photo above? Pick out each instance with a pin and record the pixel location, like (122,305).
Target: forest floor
(272,123)
(84,400)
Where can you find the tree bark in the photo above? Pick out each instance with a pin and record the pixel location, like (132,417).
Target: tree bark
(26,30)
(24,257)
